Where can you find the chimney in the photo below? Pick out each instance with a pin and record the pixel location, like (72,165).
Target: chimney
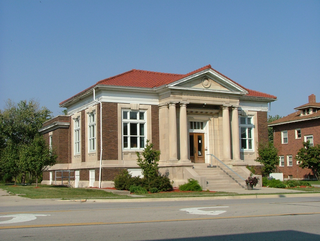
(312,98)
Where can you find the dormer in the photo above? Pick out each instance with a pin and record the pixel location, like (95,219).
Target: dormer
(310,108)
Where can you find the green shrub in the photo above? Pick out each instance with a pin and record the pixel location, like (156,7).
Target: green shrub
(137,190)
(162,183)
(123,180)
(154,190)
(296,183)
(265,181)
(191,185)
(276,183)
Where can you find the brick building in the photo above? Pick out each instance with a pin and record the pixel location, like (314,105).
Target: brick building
(186,117)
(289,134)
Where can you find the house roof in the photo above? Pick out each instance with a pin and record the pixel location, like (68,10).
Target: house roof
(298,116)
(150,79)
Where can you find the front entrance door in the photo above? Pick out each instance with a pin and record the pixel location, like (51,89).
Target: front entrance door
(197,147)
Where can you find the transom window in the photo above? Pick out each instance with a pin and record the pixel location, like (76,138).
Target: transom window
(284,137)
(194,125)
(133,129)
(92,131)
(77,136)
(246,133)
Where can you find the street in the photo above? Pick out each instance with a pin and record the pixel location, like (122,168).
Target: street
(289,218)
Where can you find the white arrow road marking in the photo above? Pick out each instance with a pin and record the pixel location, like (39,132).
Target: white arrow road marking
(204,212)
(19,218)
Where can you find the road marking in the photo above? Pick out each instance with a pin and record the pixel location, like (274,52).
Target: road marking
(199,210)
(152,221)
(20,218)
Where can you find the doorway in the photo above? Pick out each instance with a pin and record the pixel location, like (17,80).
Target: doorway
(196,141)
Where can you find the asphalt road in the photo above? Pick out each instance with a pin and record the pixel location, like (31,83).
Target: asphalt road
(294,218)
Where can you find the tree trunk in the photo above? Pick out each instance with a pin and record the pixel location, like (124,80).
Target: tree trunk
(36,181)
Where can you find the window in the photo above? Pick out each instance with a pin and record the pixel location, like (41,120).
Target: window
(289,161)
(281,161)
(196,125)
(50,142)
(309,138)
(133,129)
(77,136)
(284,137)
(298,133)
(246,133)
(92,131)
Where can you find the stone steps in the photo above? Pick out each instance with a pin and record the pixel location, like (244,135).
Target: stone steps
(217,178)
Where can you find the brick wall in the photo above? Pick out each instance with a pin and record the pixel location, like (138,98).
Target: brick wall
(108,174)
(155,126)
(60,139)
(83,136)
(262,117)
(109,131)
(311,127)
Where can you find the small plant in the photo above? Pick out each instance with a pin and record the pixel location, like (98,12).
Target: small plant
(138,190)
(252,181)
(123,180)
(191,185)
(154,190)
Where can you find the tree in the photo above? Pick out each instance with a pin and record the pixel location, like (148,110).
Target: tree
(19,125)
(268,156)
(37,156)
(270,129)
(149,164)
(309,157)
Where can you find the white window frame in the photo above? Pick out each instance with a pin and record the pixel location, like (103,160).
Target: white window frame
(306,138)
(77,136)
(50,142)
(134,140)
(246,132)
(284,137)
(298,133)
(281,161)
(92,132)
(289,161)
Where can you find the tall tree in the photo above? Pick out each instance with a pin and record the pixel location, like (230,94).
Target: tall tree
(37,156)
(268,156)
(19,125)
(270,129)
(309,157)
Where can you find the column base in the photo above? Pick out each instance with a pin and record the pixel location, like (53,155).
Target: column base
(184,161)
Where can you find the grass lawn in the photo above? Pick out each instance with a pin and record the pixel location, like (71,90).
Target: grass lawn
(60,192)
(314,182)
(66,193)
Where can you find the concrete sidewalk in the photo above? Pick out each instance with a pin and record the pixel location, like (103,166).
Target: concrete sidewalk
(7,199)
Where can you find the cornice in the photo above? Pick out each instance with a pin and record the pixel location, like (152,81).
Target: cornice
(55,125)
(294,121)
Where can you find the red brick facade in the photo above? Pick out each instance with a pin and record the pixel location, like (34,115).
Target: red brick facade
(310,127)
(262,127)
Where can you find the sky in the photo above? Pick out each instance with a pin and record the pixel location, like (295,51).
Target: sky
(51,50)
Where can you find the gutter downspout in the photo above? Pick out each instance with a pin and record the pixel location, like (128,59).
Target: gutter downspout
(100,164)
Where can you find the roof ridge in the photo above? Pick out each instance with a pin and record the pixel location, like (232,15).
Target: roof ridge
(155,72)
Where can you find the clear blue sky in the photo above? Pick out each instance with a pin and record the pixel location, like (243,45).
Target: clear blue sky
(53,49)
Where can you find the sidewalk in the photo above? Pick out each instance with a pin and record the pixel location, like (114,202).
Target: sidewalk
(261,192)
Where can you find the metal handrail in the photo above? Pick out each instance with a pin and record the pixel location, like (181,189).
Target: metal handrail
(225,166)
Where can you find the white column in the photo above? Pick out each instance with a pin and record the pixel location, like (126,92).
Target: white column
(183,133)
(235,134)
(164,132)
(226,133)
(172,132)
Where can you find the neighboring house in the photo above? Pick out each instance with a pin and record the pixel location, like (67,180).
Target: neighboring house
(289,134)
(185,116)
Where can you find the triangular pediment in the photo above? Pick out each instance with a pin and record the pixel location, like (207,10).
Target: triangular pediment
(208,80)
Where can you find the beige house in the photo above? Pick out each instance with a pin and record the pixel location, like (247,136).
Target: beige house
(195,119)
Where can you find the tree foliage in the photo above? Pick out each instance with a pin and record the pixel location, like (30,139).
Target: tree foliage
(149,162)
(309,157)
(270,129)
(268,156)
(19,125)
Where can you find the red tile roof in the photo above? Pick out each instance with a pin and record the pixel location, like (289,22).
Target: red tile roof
(150,79)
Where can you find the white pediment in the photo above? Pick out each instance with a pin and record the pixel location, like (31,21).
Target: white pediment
(208,80)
